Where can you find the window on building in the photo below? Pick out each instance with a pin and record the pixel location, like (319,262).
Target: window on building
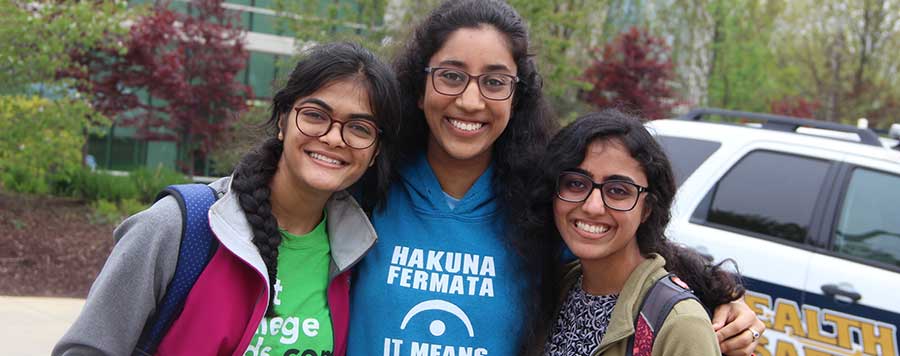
(260,74)
(869,224)
(766,193)
(686,154)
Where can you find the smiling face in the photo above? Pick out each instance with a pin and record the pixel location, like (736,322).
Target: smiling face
(594,232)
(326,164)
(465,126)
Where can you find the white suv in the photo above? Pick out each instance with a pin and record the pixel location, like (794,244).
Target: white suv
(812,221)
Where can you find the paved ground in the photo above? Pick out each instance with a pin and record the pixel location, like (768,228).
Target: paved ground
(30,326)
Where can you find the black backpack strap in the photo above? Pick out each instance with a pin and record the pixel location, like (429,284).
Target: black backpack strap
(658,302)
(197,247)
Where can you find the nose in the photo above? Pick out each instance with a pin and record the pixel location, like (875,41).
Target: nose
(594,203)
(470,99)
(333,136)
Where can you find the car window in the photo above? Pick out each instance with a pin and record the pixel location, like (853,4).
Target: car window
(869,224)
(767,193)
(686,154)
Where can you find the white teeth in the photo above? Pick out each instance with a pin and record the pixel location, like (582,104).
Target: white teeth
(323,158)
(594,229)
(466,126)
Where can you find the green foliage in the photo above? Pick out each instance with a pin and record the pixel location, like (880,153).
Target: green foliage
(94,186)
(41,141)
(562,34)
(241,137)
(140,186)
(38,35)
(149,182)
(105,212)
(745,74)
(130,207)
(315,21)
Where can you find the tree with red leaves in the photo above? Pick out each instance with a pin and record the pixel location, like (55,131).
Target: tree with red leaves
(187,63)
(795,107)
(633,73)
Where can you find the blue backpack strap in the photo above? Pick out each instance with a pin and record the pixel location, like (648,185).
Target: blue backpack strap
(658,302)
(197,247)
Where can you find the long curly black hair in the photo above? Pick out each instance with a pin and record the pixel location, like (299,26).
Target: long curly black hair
(319,66)
(712,283)
(531,121)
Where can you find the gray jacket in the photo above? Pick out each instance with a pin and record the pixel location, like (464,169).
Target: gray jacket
(134,279)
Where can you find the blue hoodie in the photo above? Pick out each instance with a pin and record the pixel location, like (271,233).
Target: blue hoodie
(439,281)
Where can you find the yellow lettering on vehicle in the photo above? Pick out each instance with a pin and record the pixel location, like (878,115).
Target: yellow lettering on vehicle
(761,349)
(787,314)
(813,331)
(814,327)
(843,323)
(759,303)
(884,338)
(784,348)
(813,352)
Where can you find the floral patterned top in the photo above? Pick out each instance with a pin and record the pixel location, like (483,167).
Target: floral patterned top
(581,323)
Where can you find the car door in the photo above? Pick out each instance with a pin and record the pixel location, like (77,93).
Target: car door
(762,209)
(853,285)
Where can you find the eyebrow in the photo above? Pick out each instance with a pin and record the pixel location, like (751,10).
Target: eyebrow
(612,177)
(488,68)
(330,110)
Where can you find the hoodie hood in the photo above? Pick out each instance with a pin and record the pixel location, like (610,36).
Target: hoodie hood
(428,197)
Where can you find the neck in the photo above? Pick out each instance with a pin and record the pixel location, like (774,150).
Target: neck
(456,176)
(298,209)
(608,275)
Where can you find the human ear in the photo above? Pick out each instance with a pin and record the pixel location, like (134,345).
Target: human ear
(372,161)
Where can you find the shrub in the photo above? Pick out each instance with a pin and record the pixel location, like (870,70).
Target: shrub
(149,182)
(105,212)
(41,141)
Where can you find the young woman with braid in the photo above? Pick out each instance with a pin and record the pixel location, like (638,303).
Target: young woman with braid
(452,274)
(289,233)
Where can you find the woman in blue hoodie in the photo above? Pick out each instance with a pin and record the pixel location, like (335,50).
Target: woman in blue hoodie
(451,275)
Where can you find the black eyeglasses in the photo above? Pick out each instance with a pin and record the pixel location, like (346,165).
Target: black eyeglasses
(620,195)
(356,133)
(493,86)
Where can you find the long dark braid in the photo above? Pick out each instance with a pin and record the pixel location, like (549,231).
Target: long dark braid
(251,183)
(320,66)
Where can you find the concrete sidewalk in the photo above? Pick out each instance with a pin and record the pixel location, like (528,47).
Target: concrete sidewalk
(30,326)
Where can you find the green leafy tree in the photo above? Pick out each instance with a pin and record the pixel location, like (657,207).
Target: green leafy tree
(40,142)
(35,37)
(744,73)
(43,122)
(845,53)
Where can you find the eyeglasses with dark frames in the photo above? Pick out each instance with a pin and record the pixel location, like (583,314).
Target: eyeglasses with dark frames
(619,195)
(356,133)
(492,86)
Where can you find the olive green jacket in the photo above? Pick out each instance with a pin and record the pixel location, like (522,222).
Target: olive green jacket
(686,331)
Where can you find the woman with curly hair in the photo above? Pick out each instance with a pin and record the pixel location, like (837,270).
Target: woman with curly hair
(452,273)
(288,233)
(606,190)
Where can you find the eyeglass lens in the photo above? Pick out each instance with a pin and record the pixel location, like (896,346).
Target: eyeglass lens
(617,195)
(355,133)
(493,86)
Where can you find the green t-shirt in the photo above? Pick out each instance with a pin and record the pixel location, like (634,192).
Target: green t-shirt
(303,323)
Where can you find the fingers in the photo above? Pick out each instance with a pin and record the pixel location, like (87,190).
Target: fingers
(739,345)
(720,316)
(739,319)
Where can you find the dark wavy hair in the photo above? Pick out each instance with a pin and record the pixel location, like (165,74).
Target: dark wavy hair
(318,67)
(531,120)
(713,284)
